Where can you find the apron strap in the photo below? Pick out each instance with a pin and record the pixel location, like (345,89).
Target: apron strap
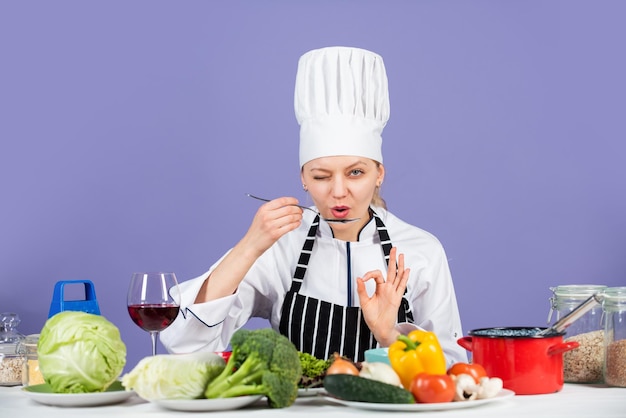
(305,256)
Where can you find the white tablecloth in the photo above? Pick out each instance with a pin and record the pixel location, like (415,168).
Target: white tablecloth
(572,401)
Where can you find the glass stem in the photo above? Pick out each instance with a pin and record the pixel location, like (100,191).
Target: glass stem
(153,336)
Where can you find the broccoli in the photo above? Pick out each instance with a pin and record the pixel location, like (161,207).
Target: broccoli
(263,362)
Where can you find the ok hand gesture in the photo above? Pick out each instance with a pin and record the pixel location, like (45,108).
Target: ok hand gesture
(380,311)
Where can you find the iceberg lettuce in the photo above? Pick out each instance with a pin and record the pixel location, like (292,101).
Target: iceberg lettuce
(80,352)
(174,376)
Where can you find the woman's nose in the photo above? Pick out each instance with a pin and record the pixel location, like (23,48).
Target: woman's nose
(339,188)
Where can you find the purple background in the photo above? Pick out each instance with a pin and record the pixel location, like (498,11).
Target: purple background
(131,130)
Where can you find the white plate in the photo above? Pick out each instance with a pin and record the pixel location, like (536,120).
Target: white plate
(414,407)
(203,405)
(44,394)
(302,392)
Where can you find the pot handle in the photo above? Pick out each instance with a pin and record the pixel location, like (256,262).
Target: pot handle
(562,347)
(465,342)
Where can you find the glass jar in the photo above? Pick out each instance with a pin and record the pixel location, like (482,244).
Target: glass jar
(31,375)
(10,359)
(583,364)
(614,306)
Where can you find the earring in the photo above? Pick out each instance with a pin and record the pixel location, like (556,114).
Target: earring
(305,188)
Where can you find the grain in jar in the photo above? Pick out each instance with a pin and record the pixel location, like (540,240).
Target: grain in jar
(614,306)
(583,364)
(31,375)
(10,359)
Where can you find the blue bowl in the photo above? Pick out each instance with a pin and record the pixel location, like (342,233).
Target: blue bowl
(377,355)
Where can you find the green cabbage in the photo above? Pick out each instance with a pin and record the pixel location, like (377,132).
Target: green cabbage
(80,352)
(174,376)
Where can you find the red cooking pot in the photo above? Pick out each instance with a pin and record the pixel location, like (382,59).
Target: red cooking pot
(527,363)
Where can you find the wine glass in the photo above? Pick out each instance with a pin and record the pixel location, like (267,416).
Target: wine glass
(153,302)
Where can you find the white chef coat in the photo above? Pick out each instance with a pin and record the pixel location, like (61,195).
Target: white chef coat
(430,291)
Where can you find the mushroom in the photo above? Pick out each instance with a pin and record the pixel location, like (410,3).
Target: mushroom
(466,388)
(489,387)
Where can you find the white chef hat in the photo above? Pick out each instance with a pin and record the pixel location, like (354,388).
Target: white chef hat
(341,103)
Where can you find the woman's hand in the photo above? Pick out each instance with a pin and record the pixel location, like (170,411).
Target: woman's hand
(271,221)
(380,311)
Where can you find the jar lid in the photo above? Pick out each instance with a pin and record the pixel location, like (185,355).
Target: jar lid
(9,337)
(577,290)
(8,321)
(614,295)
(8,330)
(31,339)
(8,348)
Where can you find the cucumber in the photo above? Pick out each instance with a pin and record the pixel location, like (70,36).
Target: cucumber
(360,389)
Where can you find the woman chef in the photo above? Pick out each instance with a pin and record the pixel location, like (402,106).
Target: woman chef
(328,286)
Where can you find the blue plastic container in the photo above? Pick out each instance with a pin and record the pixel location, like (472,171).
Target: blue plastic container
(89,304)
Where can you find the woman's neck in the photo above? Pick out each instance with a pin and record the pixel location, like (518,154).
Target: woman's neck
(350,232)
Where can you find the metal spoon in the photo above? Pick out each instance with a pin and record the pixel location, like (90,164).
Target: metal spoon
(312,210)
(577,312)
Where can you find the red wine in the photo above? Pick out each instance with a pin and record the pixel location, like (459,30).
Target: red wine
(153,317)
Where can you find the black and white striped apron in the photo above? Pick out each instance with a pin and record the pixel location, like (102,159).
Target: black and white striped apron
(323,328)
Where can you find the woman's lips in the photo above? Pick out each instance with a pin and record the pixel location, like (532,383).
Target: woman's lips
(340,212)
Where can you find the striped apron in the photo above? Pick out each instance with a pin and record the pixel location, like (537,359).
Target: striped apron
(323,328)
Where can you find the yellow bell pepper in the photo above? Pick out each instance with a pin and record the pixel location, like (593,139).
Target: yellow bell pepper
(417,352)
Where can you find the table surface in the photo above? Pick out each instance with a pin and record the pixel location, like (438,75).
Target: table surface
(574,400)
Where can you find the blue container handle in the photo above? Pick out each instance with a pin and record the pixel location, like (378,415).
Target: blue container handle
(89,304)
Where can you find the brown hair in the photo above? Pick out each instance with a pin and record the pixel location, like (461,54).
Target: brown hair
(377,200)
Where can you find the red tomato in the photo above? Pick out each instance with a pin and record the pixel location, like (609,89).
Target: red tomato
(473,369)
(432,388)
